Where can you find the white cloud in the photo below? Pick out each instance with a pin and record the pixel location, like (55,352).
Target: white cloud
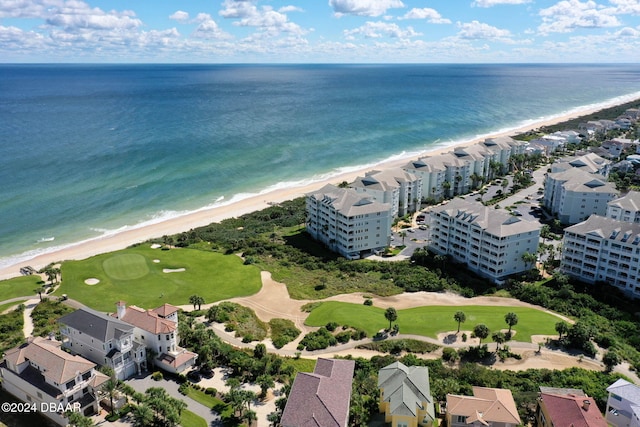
(380,29)
(76,15)
(208,28)
(626,6)
(363,7)
(475,30)
(568,15)
(491,3)
(180,16)
(431,15)
(269,21)
(27,8)
(287,9)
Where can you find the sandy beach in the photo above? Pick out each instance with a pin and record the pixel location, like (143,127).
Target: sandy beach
(203,217)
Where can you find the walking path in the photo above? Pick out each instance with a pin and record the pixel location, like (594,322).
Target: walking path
(27,327)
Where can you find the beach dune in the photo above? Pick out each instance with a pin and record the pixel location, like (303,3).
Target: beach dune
(204,217)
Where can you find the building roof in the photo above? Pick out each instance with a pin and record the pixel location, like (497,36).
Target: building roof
(487,405)
(348,202)
(494,221)
(625,390)
(95,324)
(582,181)
(407,389)
(321,398)
(607,228)
(589,162)
(148,320)
(629,202)
(52,362)
(572,410)
(165,310)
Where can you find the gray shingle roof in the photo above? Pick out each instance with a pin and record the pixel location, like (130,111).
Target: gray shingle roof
(406,389)
(630,201)
(626,390)
(608,228)
(95,324)
(494,221)
(348,202)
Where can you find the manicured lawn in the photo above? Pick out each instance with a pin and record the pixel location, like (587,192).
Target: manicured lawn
(189,419)
(431,320)
(19,287)
(136,276)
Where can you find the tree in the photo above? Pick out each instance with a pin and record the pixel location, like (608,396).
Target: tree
(39,291)
(610,360)
(481,331)
(260,351)
(391,315)
(111,388)
(265,381)
(562,328)
(196,300)
(143,416)
(76,419)
(529,259)
(512,320)
(499,338)
(403,234)
(459,317)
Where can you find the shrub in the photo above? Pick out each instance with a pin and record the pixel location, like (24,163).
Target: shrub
(449,354)
(331,326)
(157,376)
(368,301)
(343,337)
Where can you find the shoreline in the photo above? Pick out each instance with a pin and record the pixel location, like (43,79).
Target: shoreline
(202,217)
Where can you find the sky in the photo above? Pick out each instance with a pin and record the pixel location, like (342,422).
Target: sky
(320,31)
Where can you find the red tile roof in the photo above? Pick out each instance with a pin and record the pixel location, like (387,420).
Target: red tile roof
(320,399)
(567,410)
(487,405)
(148,320)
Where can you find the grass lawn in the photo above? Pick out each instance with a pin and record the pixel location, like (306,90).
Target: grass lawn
(189,419)
(8,305)
(136,276)
(19,287)
(431,320)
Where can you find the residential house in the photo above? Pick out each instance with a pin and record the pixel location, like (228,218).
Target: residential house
(625,208)
(104,340)
(347,222)
(491,242)
(623,404)
(603,250)
(405,395)
(321,398)
(40,373)
(559,407)
(574,194)
(157,330)
(493,407)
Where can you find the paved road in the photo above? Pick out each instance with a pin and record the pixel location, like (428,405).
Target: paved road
(142,383)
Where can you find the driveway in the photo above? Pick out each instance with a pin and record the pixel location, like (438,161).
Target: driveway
(142,383)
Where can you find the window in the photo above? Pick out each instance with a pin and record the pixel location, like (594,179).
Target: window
(461,419)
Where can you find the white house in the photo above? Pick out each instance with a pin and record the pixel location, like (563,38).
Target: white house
(574,194)
(157,329)
(603,250)
(623,404)
(51,380)
(491,242)
(104,340)
(349,223)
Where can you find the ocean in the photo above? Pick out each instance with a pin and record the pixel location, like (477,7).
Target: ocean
(89,150)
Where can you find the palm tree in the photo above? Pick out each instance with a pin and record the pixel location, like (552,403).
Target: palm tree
(391,315)
(142,416)
(529,259)
(196,300)
(499,338)
(481,331)
(403,234)
(39,291)
(512,320)
(459,317)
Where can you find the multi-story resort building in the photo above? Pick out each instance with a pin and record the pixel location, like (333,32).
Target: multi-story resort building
(589,162)
(491,242)
(347,222)
(40,373)
(625,208)
(461,170)
(574,194)
(603,250)
(399,188)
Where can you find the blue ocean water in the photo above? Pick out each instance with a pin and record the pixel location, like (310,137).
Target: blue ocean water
(91,149)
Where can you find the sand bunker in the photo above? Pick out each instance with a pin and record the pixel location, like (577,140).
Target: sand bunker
(92,281)
(156,246)
(173,270)
(156,261)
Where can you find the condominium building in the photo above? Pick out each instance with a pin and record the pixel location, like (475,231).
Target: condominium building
(51,380)
(625,208)
(491,242)
(397,187)
(603,250)
(347,222)
(574,194)
(589,162)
